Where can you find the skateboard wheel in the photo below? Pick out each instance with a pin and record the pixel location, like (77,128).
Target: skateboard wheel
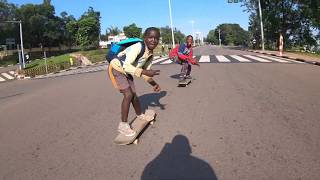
(151,122)
(136,141)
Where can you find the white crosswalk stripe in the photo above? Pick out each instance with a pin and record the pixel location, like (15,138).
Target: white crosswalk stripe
(167,62)
(159,60)
(274,59)
(11,72)
(1,79)
(241,59)
(6,75)
(222,59)
(257,58)
(204,59)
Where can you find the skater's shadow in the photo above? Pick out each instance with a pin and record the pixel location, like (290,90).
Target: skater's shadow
(175,76)
(152,100)
(176,162)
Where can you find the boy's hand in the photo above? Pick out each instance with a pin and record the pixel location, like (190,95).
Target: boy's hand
(156,88)
(151,73)
(194,62)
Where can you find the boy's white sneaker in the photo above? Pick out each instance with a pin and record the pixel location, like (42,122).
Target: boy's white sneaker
(125,129)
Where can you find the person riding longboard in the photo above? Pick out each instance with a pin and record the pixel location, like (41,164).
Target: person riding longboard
(183,55)
(134,60)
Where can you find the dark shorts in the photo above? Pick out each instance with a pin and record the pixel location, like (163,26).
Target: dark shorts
(121,81)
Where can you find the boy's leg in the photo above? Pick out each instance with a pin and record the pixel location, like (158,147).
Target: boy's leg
(121,82)
(125,106)
(184,69)
(124,126)
(189,69)
(136,104)
(188,72)
(134,100)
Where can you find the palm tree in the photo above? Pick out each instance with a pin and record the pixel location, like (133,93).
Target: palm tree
(112,31)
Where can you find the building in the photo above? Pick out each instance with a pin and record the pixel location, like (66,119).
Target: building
(112,39)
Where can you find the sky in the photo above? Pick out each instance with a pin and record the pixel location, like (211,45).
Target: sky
(206,14)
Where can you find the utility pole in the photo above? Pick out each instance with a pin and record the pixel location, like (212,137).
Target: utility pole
(173,44)
(219,38)
(192,21)
(21,41)
(261,25)
(22,49)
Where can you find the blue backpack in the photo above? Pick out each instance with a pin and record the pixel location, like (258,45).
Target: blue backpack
(120,46)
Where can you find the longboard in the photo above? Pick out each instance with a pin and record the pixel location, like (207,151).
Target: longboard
(184,83)
(138,125)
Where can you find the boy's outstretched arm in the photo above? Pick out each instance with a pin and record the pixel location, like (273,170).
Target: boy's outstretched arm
(148,78)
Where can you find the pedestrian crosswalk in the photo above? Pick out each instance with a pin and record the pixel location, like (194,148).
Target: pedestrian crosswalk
(6,76)
(230,59)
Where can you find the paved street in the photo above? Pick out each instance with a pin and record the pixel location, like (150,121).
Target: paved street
(245,116)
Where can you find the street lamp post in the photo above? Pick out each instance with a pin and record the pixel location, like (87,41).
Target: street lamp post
(192,22)
(219,38)
(173,44)
(21,41)
(261,25)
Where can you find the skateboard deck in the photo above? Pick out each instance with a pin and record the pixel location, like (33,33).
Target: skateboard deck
(138,125)
(184,83)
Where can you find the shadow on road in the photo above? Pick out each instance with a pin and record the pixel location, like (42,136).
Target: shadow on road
(175,76)
(152,100)
(13,95)
(176,162)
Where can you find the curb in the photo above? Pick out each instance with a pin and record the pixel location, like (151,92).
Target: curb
(21,77)
(287,57)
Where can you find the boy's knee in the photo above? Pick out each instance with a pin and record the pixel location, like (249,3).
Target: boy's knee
(128,94)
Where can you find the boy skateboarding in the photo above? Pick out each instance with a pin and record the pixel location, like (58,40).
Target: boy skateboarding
(183,55)
(134,60)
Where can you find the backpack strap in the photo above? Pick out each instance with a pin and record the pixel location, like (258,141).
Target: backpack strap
(143,48)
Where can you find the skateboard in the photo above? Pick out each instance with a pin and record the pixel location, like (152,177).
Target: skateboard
(184,83)
(139,126)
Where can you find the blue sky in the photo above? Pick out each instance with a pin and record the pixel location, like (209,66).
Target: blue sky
(206,14)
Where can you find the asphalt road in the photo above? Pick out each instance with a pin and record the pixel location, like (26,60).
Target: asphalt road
(235,121)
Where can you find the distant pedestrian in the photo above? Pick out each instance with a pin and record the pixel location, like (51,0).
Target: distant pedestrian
(162,50)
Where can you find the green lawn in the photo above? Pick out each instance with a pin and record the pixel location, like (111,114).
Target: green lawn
(51,60)
(94,56)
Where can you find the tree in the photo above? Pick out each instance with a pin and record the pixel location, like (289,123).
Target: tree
(179,37)
(166,36)
(230,34)
(112,31)
(8,30)
(72,29)
(132,30)
(88,29)
(40,25)
(68,33)
(211,37)
(294,19)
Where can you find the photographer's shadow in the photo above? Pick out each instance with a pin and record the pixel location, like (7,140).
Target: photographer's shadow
(152,100)
(176,162)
